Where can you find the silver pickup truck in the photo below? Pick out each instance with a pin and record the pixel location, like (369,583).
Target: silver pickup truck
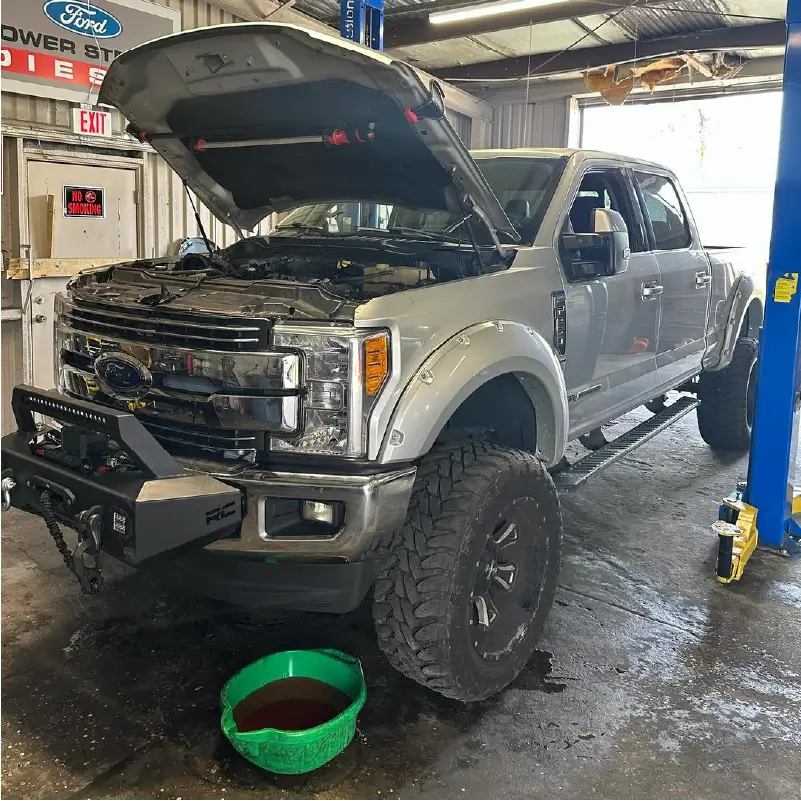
(378,396)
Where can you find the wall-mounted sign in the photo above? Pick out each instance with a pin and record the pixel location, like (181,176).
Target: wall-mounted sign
(90,122)
(62,48)
(84,201)
(84,19)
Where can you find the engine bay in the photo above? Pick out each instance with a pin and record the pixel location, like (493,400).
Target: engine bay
(353,271)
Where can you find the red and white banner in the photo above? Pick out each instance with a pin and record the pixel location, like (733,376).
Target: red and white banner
(51,68)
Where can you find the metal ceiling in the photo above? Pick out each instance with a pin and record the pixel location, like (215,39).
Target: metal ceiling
(634,20)
(678,16)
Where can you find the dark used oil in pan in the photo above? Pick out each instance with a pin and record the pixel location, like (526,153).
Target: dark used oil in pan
(290,705)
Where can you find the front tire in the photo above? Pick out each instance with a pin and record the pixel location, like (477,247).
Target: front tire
(470,578)
(726,411)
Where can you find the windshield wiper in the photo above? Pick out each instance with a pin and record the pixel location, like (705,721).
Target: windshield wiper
(307,229)
(416,232)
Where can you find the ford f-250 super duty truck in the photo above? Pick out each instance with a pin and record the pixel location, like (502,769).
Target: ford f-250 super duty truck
(379,394)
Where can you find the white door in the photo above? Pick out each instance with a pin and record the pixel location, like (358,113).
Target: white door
(57,232)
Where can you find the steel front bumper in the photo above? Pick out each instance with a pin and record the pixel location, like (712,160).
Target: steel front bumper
(258,548)
(151,509)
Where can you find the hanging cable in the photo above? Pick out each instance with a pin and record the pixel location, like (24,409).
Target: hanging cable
(507,83)
(565,50)
(528,86)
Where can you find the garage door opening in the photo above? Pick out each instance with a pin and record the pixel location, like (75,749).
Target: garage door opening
(723,150)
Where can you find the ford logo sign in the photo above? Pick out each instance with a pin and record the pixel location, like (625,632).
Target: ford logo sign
(83,18)
(122,376)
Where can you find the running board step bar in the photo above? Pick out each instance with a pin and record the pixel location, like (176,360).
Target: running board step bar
(592,464)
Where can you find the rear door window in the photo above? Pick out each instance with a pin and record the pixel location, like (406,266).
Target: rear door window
(664,211)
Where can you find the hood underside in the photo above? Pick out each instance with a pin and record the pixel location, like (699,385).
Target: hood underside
(260,118)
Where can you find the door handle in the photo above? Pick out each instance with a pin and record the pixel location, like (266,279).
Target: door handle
(652,290)
(702,280)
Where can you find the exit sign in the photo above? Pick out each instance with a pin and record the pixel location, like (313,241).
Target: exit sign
(88,122)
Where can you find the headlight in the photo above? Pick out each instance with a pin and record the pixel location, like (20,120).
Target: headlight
(344,372)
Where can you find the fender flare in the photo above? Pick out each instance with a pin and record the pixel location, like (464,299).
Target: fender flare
(459,367)
(744,293)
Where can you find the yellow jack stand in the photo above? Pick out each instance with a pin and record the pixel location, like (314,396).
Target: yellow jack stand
(737,532)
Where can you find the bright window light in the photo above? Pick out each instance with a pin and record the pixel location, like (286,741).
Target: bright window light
(487,10)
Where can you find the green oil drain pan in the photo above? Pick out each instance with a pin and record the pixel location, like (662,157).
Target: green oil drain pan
(294,752)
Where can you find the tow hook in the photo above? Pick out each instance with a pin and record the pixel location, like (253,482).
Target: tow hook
(6,486)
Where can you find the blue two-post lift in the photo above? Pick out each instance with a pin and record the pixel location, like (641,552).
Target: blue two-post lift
(362,21)
(769,499)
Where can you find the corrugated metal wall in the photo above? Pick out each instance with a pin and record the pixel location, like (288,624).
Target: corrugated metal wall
(172,214)
(462,124)
(539,124)
(198,14)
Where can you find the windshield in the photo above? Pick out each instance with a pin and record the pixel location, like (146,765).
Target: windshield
(523,186)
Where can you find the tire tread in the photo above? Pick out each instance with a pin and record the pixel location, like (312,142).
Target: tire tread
(413,588)
(722,419)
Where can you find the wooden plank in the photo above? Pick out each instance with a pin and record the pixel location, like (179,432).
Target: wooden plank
(55,268)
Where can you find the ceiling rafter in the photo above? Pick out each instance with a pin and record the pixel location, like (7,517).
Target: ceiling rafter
(744,37)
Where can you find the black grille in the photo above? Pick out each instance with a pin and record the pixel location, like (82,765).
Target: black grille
(166,327)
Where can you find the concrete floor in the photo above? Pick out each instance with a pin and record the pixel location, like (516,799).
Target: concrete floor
(653,681)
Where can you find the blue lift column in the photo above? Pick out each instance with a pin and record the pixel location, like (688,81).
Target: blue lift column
(362,21)
(774,443)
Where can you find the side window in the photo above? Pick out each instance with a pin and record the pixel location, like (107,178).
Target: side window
(664,210)
(604,189)
(582,257)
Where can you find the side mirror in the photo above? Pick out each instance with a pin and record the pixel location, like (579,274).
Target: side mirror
(611,225)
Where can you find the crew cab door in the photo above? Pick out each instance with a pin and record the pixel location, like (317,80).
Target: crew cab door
(613,320)
(686,276)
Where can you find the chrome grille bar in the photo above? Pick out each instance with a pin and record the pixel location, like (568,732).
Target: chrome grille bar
(164,326)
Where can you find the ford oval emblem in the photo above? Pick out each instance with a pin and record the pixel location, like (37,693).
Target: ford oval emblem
(83,18)
(122,376)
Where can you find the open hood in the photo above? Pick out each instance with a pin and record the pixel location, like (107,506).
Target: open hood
(262,117)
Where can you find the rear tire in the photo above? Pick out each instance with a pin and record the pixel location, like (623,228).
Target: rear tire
(726,411)
(470,578)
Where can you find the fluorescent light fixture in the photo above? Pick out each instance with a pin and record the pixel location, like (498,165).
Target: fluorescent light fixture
(487,10)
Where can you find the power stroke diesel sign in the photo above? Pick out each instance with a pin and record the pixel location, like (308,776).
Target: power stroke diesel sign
(62,48)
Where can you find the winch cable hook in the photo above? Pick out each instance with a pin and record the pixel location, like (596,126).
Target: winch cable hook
(84,562)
